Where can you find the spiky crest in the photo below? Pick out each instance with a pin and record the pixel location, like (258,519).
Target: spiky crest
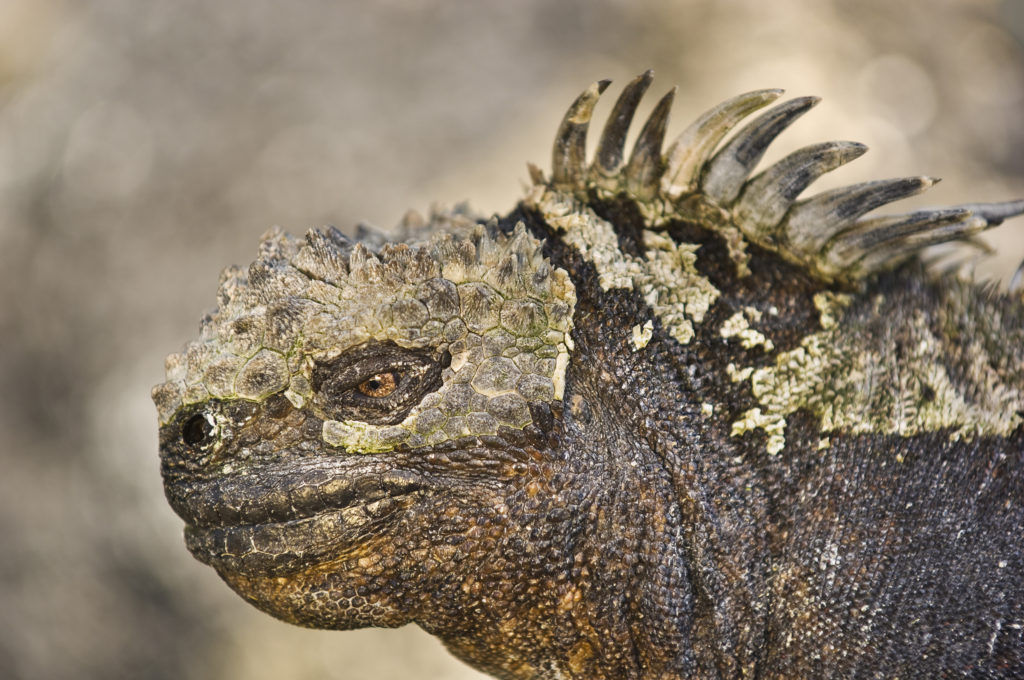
(828,234)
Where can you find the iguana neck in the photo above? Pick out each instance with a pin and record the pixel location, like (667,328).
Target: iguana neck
(681,401)
(662,516)
(598,554)
(712,499)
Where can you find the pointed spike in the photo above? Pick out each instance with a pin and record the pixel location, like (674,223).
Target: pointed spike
(613,139)
(995,213)
(725,173)
(888,255)
(325,256)
(337,237)
(963,230)
(868,235)
(568,157)
(644,167)
(686,157)
(812,223)
(767,197)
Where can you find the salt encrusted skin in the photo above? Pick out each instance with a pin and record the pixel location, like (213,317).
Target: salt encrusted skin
(637,432)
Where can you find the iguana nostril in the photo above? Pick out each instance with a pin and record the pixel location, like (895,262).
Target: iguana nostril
(196,430)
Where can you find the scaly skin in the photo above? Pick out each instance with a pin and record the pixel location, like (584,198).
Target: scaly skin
(657,422)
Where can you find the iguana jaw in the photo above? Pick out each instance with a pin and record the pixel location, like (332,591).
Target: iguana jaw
(282,506)
(279,519)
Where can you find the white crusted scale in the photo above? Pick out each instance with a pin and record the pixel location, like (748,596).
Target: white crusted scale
(490,300)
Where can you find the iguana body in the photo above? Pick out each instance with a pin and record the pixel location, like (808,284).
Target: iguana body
(661,421)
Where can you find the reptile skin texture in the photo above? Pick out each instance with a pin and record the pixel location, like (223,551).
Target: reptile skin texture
(672,417)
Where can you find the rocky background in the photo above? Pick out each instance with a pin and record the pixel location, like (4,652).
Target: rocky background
(145,145)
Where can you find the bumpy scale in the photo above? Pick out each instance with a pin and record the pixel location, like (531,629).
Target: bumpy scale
(667,419)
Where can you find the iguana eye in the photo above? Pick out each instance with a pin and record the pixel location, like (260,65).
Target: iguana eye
(377,383)
(380,385)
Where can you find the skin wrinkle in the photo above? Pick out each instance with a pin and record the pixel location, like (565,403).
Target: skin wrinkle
(619,435)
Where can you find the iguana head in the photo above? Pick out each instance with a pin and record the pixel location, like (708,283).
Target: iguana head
(298,431)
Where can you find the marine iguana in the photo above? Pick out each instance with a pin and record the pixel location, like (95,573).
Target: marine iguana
(665,419)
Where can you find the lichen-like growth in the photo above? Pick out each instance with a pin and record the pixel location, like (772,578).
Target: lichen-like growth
(666,278)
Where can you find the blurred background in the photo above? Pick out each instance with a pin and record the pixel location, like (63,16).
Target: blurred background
(145,145)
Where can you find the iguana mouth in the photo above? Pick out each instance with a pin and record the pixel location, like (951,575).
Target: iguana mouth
(279,521)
